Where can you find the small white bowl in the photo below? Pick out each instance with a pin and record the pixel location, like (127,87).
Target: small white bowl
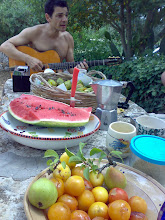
(150,125)
(119,136)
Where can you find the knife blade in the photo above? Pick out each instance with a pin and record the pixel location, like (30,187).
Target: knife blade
(74,85)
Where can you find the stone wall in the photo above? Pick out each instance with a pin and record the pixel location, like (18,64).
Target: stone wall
(4,73)
(4,61)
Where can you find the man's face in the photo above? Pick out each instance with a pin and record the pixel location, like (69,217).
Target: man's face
(59,19)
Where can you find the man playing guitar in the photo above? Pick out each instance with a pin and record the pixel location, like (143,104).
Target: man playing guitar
(49,36)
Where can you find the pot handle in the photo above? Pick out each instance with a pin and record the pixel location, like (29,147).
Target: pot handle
(125,104)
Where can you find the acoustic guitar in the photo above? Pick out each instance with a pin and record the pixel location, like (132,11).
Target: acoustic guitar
(51,59)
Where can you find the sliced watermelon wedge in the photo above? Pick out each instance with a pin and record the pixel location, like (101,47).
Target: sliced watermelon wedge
(35,110)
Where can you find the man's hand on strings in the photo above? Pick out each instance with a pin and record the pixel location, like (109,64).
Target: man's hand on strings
(34,63)
(83,65)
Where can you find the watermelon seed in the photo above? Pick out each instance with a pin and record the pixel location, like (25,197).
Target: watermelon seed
(63,111)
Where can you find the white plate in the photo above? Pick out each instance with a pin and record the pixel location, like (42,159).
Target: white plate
(138,184)
(47,138)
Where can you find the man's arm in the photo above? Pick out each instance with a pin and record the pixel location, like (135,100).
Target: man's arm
(24,38)
(70,53)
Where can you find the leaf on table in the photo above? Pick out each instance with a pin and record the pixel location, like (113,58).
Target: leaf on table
(90,161)
(95,151)
(69,153)
(82,166)
(117,153)
(103,155)
(86,173)
(63,163)
(49,162)
(80,153)
(94,167)
(55,161)
(51,153)
(75,159)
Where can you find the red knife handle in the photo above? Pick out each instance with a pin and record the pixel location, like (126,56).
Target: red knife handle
(74,81)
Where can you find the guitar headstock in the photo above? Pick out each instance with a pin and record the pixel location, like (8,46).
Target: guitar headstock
(110,61)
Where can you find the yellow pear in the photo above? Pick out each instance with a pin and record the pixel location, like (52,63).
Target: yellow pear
(114,178)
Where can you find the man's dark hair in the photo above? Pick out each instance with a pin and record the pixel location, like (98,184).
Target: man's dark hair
(51,4)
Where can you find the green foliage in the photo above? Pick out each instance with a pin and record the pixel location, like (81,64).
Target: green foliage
(162,46)
(135,21)
(37,9)
(78,158)
(51,163)
(92,44)
(145,73)
(15,16)
(114,50)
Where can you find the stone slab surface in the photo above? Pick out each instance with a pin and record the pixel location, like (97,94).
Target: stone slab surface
(19,164)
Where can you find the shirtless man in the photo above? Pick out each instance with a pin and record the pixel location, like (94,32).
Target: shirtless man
(49,36)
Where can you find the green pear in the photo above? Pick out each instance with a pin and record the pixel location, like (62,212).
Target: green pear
(42,193)
(88,90)
(52,82)
(60,81)
(68,84)
(80,85)
(80,82)
(114,178)
(80,89)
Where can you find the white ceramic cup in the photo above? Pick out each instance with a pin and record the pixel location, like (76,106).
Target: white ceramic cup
(119,136)
(150,125)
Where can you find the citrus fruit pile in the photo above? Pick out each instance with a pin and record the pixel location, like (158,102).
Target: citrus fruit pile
(80,199)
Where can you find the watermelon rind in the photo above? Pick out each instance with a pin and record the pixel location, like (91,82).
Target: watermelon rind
(39,111)
(50,123)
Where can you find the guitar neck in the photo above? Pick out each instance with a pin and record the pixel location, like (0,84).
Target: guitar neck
(54,59)
(69,65)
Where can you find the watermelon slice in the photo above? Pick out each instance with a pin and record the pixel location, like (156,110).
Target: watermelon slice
(44,112)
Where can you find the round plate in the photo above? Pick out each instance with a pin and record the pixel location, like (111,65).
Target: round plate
(47,138)
(138,184)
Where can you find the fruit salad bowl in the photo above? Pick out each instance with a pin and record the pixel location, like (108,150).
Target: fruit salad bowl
(138,184)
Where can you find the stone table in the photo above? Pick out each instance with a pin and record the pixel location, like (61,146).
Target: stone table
(19,164)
